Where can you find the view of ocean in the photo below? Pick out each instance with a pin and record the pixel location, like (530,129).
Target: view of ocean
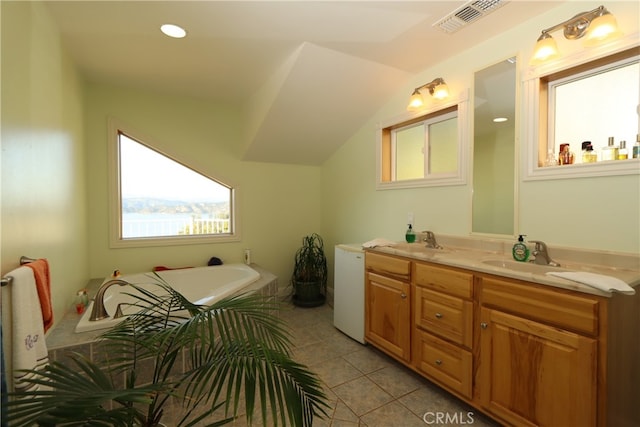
(156,225)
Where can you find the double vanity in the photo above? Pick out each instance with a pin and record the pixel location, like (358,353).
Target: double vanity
(524,347)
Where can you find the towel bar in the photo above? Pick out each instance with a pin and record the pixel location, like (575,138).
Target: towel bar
(7,280)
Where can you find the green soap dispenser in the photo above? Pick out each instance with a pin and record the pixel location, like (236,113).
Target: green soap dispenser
(520,251)
(410,235)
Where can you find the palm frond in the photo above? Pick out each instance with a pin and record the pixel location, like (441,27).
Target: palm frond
(234,348)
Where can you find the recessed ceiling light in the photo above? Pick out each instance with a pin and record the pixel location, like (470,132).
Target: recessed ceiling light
(499,119)
(173,31)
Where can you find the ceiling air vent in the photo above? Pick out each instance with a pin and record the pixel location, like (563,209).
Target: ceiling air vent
(467,13)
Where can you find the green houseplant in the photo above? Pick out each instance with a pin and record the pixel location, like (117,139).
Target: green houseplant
(309,278)
(233,351)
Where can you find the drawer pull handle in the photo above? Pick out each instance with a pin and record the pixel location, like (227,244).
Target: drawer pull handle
(484,325)
(403,295)
(438,315)
(438,362)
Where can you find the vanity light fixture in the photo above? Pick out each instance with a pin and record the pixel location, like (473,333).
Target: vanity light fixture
(437,88)
(597,25)
(174,31)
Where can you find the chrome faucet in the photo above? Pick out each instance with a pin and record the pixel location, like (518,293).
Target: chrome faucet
(430,240)
(99,312)
(541,254)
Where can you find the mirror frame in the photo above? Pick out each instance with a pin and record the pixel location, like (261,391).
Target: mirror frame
(516,153)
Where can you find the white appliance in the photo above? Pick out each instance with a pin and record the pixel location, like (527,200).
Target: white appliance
(348,291)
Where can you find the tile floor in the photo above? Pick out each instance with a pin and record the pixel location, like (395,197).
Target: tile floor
(365,387)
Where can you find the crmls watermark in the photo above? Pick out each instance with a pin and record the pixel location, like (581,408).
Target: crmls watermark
(446,418)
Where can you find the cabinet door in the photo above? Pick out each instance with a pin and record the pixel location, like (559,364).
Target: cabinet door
(388,315)
(536,375)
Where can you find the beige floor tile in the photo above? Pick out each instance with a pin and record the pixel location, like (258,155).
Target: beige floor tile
(343,413)
(336,371)
(362,395)
(368,359)
(396,380)
(392,414)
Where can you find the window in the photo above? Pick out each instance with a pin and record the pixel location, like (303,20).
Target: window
(423,150)
(581,105)
(161,201)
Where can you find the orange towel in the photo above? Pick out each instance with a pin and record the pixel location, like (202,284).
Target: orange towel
(43,285)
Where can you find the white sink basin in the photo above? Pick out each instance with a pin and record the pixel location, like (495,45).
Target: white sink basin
(527,267)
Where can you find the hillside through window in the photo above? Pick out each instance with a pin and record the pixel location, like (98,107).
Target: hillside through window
(160,198)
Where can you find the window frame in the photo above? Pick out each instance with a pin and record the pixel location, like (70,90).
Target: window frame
(385,167)
(115,198)
(536,121)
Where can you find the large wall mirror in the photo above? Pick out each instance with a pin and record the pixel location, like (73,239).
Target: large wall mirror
(494,160)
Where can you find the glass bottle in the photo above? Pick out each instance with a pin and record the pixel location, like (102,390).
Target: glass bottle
(610,152)
(636,148)
(588,155)
(566,156)
(551,159)
(623,154)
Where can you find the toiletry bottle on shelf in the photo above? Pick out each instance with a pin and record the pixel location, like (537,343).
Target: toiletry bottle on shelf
(410,235)
(636,147)
(610,152)
(588,155)
(566,156)
(520,251)
(623,154)
(551,159)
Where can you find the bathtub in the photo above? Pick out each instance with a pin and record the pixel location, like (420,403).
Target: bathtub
(200,285)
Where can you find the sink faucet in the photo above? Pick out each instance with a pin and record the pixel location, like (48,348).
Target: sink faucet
(430,240)
(99,312)
(541,254)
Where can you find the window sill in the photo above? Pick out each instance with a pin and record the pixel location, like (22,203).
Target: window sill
(584,170)
(173,241)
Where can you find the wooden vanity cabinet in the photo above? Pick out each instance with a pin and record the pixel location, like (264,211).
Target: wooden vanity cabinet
(552,357)
(443,331)
(523,353)
(387,304)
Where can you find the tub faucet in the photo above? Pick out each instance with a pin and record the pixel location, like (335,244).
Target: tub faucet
(430,240)
(541,254)
(99,312)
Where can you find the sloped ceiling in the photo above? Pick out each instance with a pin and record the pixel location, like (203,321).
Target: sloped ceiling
(308,74)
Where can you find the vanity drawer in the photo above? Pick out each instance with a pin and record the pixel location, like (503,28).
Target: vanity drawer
(385,264)
(444,315)
(447,280)
(444,362)
(568,311)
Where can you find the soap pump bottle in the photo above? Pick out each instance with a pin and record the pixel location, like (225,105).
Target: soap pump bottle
(520,251)
(410,235)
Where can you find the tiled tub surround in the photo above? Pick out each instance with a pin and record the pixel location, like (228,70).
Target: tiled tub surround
(63,339)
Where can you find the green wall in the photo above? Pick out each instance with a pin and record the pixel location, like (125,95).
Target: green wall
(43,194)
(278,203)
(594,213)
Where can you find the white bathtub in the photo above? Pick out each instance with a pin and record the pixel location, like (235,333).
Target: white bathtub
(200,285)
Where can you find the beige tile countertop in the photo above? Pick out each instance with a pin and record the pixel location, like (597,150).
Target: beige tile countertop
(493,256)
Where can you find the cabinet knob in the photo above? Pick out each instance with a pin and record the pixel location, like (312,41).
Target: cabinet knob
(403,295)
(438,315)
(484,325)
(438,362)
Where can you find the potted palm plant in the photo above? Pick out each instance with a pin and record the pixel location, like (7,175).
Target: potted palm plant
(309,278)
(233,351)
